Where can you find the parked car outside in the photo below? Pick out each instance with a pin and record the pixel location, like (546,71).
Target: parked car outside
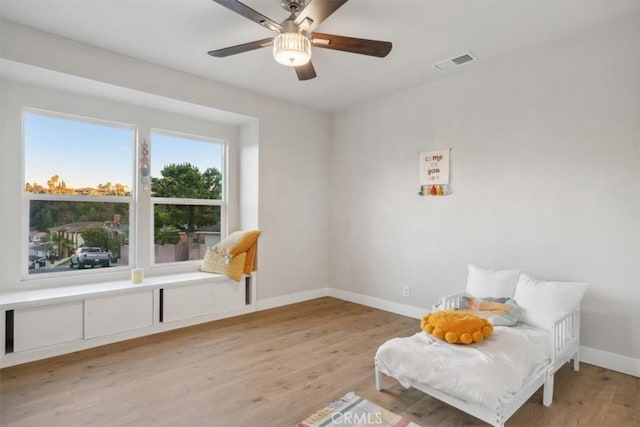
(90,256)
(35,261)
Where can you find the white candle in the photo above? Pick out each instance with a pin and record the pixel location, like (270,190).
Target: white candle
(137,275)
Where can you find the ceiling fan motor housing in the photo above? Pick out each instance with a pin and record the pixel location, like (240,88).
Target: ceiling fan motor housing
(293,6)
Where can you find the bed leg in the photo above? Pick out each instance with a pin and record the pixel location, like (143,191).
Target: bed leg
(576,361)
(378,379)
(547,391)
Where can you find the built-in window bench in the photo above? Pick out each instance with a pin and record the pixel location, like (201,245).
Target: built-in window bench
(46,322)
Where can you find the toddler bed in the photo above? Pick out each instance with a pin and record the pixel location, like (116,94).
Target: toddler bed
(491,380)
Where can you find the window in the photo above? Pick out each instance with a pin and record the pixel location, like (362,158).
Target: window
(81,201)
(187,189)
(79,191)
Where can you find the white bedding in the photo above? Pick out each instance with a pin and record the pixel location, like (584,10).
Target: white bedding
(488,373)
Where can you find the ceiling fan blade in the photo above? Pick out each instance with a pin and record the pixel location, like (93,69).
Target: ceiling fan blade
(317,11)
(245,47)
(351,44)
(306,71)
(247,12)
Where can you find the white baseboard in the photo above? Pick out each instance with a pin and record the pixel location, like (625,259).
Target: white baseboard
(604,359)
(279,301)
(374,302)
(379,303)
(615,362)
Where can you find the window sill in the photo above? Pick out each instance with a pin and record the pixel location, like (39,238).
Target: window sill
(16,299)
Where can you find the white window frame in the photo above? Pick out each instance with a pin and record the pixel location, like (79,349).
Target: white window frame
(27,198)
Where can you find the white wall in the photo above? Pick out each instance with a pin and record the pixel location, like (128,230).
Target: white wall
(292,200)
(545,177)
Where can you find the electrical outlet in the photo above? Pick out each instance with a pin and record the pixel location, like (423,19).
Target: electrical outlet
(406,291)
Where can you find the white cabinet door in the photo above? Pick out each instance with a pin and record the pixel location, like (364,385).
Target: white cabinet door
(119,313)
(183,302)
(188,301)
(47,325)
(230,296)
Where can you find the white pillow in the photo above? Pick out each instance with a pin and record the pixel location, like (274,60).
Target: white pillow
(484,282)
(542,302)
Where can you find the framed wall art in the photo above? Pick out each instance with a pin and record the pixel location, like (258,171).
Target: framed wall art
(434,172)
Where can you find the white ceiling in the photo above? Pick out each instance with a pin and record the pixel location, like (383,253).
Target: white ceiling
(177,34)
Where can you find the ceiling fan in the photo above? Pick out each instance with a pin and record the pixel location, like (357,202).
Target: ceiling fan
(292,44)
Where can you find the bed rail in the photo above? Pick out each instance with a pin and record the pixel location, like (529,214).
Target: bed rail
(565,336)
(565,345)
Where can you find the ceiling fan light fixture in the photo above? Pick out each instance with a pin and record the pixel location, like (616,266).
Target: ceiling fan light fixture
(292,49)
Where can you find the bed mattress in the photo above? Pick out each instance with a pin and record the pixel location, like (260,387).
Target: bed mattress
(489,373)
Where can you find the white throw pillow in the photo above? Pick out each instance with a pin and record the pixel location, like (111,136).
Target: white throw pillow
(485,282)
(543,302)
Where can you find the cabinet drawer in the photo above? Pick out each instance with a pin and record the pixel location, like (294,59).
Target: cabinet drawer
(120,313)
(47,325)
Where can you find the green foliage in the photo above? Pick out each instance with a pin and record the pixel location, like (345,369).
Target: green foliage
(45,214)
(97,237)
(185,181)
(61,245)
(114,243)
(176,181)
(167,237)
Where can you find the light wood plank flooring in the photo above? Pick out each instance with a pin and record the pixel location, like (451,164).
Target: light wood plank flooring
(272,368)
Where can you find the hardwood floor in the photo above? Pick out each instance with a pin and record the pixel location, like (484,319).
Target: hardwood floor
(272,368)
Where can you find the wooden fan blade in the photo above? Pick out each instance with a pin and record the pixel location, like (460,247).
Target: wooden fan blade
(247,12)
(317,11)
(245,47)
(351,44)
(306,71)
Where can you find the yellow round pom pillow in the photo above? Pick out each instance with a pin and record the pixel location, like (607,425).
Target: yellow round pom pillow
(456,327)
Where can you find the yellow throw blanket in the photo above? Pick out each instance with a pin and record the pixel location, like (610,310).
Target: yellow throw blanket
(234,256)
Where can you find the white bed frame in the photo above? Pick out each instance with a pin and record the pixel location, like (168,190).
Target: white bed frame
(565,345)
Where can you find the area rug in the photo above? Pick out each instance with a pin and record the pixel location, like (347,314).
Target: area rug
(355,411)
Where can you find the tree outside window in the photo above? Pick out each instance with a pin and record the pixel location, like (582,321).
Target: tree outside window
(188,198)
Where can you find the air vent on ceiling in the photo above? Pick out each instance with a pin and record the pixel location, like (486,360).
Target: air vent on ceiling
(454,62)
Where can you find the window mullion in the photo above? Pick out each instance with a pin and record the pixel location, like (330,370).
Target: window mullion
(182,201)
